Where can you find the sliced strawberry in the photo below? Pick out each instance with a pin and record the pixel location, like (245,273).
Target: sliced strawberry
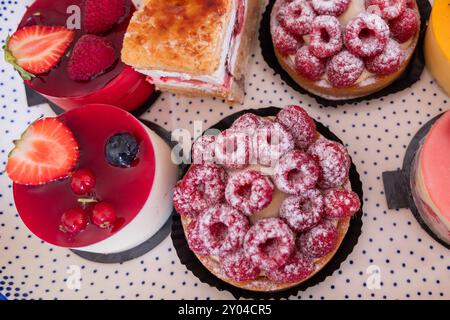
(37,49)
(47,151)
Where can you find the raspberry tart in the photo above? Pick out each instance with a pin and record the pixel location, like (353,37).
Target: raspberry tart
(69,52)
(344,49)
(260,225)
(100,189)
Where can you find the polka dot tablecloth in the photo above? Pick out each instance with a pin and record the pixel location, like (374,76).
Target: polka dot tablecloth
(407,262)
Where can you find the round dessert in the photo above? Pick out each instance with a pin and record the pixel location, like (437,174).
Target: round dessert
(344,49)
(263,225)
(69,51)
(430,179)
(437,47)
(94,179)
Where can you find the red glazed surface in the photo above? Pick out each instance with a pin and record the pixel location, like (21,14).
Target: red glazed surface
(120,86)
(126,189)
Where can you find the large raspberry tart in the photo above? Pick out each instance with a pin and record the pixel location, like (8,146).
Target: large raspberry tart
(278,214)
(93,179)
(344,49)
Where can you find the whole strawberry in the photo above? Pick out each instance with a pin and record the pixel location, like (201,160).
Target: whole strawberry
(91,56)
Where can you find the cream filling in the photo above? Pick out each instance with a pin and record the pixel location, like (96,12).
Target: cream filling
(230,46)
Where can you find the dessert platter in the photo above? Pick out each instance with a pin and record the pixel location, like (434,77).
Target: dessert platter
(267,202)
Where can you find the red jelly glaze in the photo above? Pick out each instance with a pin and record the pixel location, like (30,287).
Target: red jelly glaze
(120,85)
(126,190)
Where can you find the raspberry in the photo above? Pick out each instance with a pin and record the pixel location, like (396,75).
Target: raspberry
(247,123)
(91,56)
(272,141)
(319,241)
(303,212)
(222,229)
(296,172)
(333,161)
(286,43)
(297,121)
(296,17)
(330,7)
(239,267)
(297,268)
(233,149)
(389,61)
(405,26)
(366,35)
(341,203)
(269,243)
(203,150)
(101,15)
(195,239)
(308,65)
(390,9)
(202,187)
(344,69)
(326,37)
(249,192)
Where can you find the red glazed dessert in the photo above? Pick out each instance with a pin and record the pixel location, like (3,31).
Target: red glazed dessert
(344,49)
(105,79)
(430,179)
(113,189)
(277,222)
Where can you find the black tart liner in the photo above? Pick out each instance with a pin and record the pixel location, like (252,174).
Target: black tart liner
(188,258)
(34,98)
(397,184)
(153,241)
(408,78)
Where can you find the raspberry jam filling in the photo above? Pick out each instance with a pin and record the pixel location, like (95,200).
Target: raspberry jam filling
(57,82)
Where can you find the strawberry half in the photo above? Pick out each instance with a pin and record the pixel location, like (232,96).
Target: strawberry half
(37,49)
(47,151)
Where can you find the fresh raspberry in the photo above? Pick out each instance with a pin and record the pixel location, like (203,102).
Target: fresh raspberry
(239,267)
(286,43)
(203,150)
(296,17)
(91,56)
(330,7)
(341,203)
(390,9)
(334,163)
(319,241)
(297,121)
(411,4)
(303,212)
(296,172)
(222,229)
(344,69)
(366,35)
(269,243)
(326,37)
(387,62)
(195,239)
(297,268)
(233,149)
(248,123)
(272,141)
(202,187)
(101,15)
(405,26)
(249,191)
(308,65)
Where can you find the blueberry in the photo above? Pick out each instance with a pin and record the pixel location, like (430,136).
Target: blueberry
(121,150)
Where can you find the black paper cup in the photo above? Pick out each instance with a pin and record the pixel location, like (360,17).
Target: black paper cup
(397,184)
(188,258)
(410,76)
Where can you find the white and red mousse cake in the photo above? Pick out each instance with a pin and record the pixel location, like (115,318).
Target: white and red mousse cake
(268,202)
(431,179)
(93,179)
